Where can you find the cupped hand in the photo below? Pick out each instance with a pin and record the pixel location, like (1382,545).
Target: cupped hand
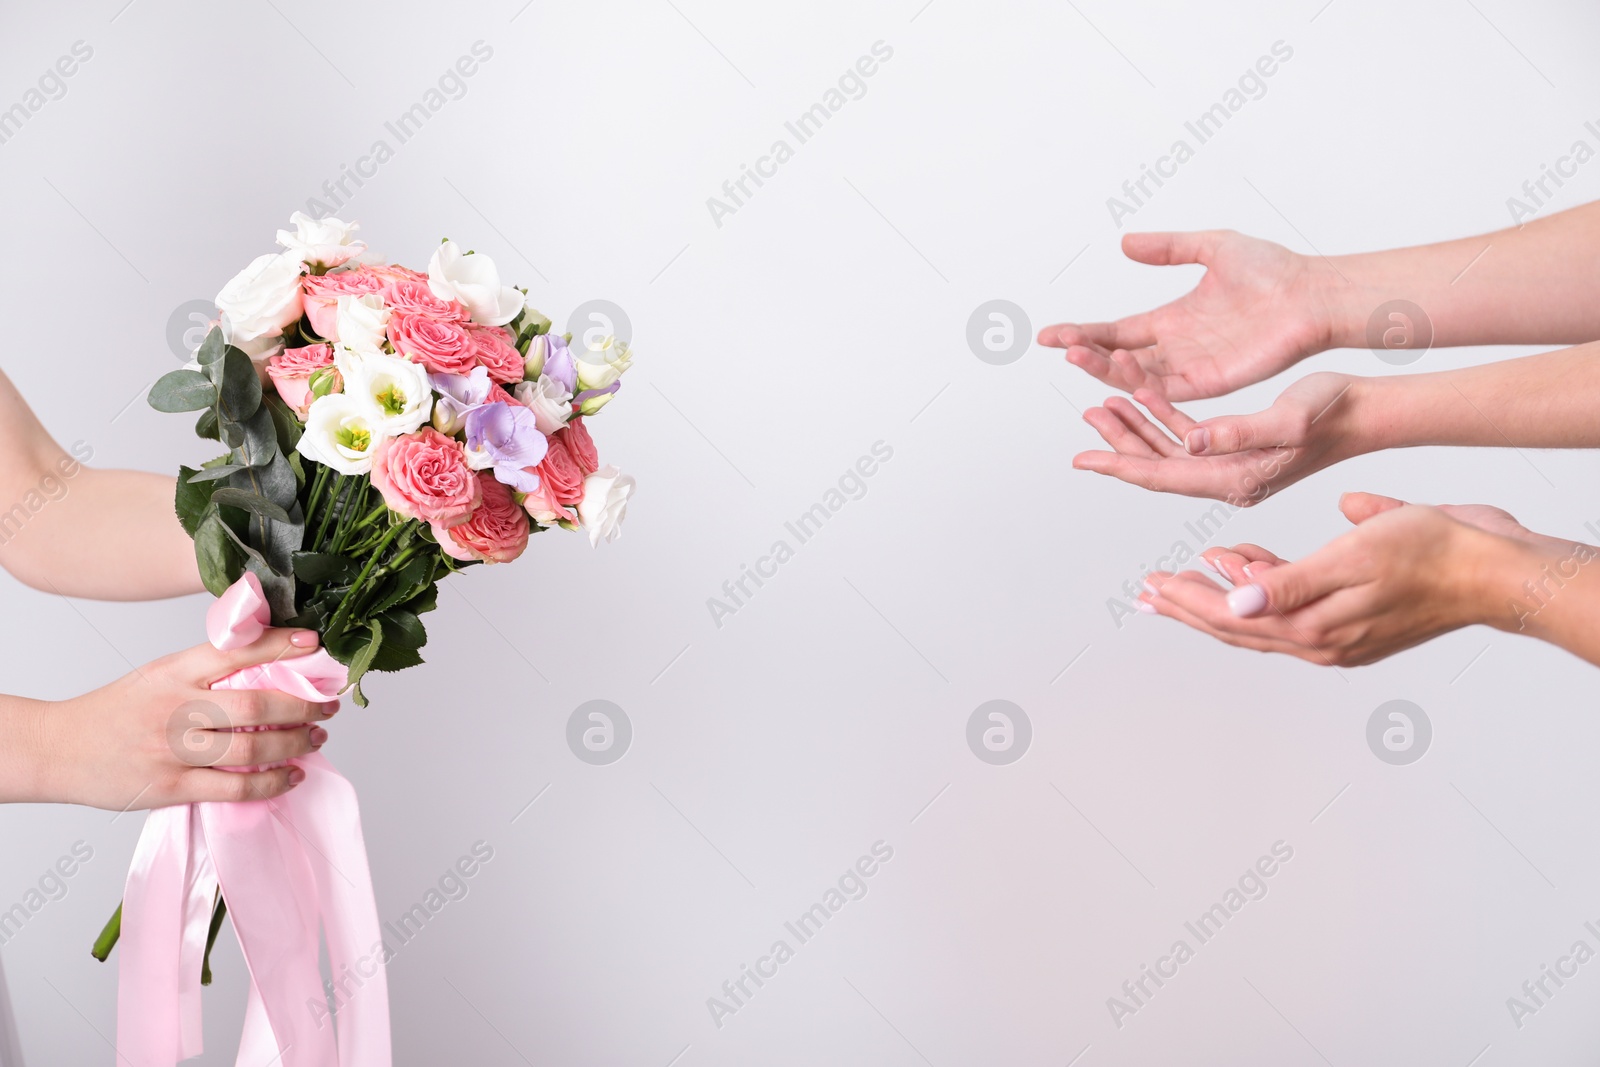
(1258,309)
(1239,459)
(1406,574)
(157,737)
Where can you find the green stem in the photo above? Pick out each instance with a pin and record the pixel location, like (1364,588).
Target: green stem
(358,488)
(217,913)
(326,517)
(108,937)
(342,613)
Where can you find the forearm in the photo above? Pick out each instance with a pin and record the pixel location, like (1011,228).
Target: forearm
(101,534)
(22,778)
(1549,400)
(1551,592)
(1529,285)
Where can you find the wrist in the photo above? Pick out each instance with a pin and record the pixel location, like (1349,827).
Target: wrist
(1509,583)
(24,753)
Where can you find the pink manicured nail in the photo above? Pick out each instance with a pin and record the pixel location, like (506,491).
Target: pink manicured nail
(1148,588)
(1210,565)
(296,776)
(1247,600)
(319,737)
(1148,609)
(1197,441)
(303,639)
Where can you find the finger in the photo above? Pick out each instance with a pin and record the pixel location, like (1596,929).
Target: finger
(1119,373)
(1237,433)
(1359,507)
(1134,470)
(274,644)
(207,784)
(1165,249)
(255,748)
(268,707)
(1134,331)
(1117,434)
(1207,601)
(1246,552)
(1147,431)
(1180,607)
(1169,416)
(1284,588)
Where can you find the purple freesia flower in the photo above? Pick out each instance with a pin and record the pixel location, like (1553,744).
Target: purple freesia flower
(458,394)
(507,438)
(559,362)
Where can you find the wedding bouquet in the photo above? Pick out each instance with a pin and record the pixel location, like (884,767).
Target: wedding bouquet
(384,428)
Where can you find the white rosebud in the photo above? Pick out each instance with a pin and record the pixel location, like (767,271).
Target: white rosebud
(605,503)
(261,301)
(325,243)
(362,323)
(603,363)
(549,400)
(470,278)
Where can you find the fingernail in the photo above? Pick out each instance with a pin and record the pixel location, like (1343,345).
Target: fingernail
(1148,609)
(330,707)
(319,737)
(296,776)
(1197,440)
(303,639)
(1247,600)
(1210,566)
(1249,572)
(1148,588)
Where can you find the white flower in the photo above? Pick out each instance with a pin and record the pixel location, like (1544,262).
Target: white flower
(471,279)
(260,301)
(394,393)
(362,323)
(339,434)
(605,503)
(549,400)
(538,351)
(603,363)
(323,242)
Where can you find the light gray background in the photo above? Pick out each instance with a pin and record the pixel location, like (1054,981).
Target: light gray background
(827,314)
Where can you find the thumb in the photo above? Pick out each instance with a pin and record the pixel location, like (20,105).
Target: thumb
(1359,507)
(1164,249)
(1288,586)
(1236,433)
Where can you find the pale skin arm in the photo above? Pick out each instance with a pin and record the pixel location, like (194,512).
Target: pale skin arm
(1406,574)
(157,736)
(1261,308)
(70,529)
(1542,401)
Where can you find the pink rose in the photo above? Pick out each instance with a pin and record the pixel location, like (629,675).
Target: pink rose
(291,371)
(394,272)
(497,532)
(424,475)
(544,508)
(580,444)
(415,298)
(559,473)
(442,347)
(496,354)
(322,293)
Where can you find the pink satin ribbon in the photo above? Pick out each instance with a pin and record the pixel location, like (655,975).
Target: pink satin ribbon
(289,868)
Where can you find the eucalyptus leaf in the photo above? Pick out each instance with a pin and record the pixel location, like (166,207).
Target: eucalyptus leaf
(284,421)
(260,440)
(218,556)
(212,348)
(278,588)
(215,474)
(248,501)
(240,393)
(182,390)
(206,425)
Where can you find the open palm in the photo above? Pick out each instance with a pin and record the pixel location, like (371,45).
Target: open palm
(1258,309)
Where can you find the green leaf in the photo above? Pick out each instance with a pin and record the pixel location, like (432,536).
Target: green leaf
(216,474)
(279,589)
(323,568)
(206,425)
(361,662)
(248,501)
(410,581)
(182,390)
(390,658)
(240,393)
(212,348)
(402,629)
(221,562)
(260,438)
(192,499)
(426,600)
(284,421)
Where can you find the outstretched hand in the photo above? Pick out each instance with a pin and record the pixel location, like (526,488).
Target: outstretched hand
(1406,574)
(1239,459)
(1258,310)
